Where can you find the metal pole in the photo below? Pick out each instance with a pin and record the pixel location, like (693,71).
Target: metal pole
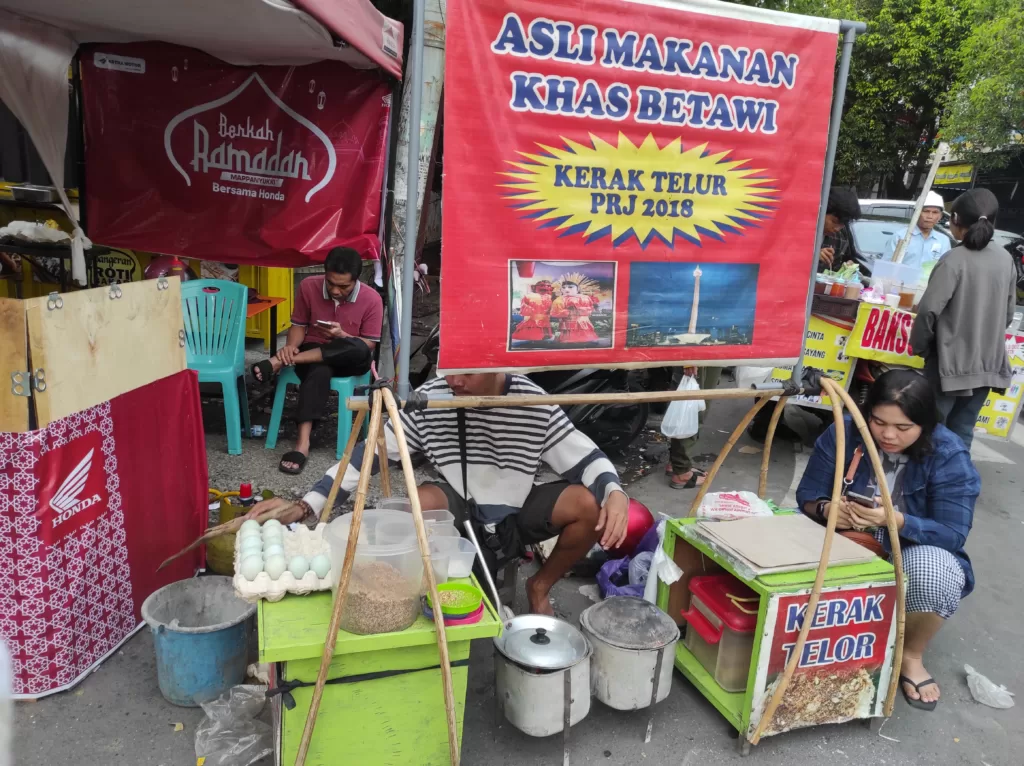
(850,30)
(412,216)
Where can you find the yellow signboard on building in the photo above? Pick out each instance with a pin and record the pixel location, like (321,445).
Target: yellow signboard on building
(959,174)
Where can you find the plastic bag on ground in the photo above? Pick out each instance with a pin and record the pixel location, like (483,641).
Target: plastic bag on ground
(613,579)
(986,692)
(639,567)
(728,506)
(230,735)
(682,418)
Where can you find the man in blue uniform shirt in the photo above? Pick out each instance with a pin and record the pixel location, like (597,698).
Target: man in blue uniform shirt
(926,244)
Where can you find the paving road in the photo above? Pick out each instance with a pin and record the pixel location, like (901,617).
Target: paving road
(116,716)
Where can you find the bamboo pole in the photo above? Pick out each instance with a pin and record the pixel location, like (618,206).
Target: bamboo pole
(819,578)
(762,482)
(346,574)
(894,539)
(428,571)
(360,404)
(733,437)
(346,457)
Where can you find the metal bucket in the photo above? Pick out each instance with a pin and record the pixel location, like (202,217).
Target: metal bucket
(201,638)
(538,694)
(634,652)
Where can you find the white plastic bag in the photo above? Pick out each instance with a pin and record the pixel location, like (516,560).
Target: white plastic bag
(663,568)
(682,419)
(728,506)
(986,692)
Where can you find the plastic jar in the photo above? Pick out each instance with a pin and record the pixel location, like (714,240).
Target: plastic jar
(384,589)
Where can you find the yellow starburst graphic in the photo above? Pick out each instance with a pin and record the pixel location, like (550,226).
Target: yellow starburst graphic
(646,191)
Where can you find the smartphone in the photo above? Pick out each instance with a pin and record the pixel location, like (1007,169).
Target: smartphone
(868,502)
(325,323)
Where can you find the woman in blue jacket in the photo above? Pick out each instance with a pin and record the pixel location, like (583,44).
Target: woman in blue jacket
(934,487)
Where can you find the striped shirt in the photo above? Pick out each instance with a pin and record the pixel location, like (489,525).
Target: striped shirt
(505,447)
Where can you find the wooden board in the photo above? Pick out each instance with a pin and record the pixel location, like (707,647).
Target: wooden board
(94,348)
(13,358)
(781,543)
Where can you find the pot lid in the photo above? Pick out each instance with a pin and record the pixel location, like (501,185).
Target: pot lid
(540,642)
(630,623)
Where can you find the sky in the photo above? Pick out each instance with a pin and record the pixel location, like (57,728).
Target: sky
(661,294)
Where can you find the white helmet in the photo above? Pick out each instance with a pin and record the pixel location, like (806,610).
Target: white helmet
(934,199)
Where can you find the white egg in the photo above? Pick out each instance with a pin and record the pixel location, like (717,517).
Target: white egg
(273,549)
(298,566)
(250,524)
(275,566)
(251,567)
(252,541)
(271,524)
(271,534)
(247,532)
(321,564)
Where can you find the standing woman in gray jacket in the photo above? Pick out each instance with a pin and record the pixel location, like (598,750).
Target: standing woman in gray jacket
(961,321)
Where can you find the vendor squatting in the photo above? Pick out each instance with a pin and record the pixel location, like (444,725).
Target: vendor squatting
(546,39)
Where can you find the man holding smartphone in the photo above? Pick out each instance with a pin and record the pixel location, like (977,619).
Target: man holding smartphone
(336,325)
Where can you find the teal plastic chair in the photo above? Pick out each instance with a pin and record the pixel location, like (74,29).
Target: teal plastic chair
(214,313)
(345,388)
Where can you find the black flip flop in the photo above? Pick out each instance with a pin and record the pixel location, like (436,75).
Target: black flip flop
(695,473)
(919,704)
(262,371)
(292,457)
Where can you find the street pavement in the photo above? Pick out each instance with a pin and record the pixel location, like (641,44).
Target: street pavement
(117,716)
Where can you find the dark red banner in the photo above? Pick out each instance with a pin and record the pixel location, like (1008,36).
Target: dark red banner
(270,165)
(89,507)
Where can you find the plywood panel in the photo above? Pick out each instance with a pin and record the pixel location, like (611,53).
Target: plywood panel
(95,348)
(13,357)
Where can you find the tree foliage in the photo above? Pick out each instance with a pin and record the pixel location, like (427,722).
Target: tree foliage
(985,107)
(900,73)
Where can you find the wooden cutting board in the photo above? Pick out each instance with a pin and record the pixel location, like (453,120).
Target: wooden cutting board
(782,543)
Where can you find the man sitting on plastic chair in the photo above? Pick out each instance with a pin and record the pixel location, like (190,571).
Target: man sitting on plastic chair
(336,324)
(497,452)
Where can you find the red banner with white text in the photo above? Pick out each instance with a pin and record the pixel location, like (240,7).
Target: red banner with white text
(268,165)
(89,507)
(629,182)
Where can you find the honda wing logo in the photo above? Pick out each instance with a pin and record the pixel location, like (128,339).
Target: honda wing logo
(68,500)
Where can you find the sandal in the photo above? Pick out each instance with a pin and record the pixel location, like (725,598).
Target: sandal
(695,473)
(262,371)
(919,704)
(292,457)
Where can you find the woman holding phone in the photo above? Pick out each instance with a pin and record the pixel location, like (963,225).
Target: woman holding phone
(934,487)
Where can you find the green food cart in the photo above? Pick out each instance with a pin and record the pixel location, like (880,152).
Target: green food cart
(383,702)
(845,667)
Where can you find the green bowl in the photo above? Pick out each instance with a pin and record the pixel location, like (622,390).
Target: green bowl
(462,599)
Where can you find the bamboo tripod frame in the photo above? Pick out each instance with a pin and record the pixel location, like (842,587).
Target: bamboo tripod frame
(382,399)
(839,397)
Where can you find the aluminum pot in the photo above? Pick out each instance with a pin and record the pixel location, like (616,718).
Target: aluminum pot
(634,652)
(542,674)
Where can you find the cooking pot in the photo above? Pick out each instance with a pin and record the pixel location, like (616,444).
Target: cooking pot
(634,646)
(542,674)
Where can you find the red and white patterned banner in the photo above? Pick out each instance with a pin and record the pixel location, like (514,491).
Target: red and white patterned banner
(89,506)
